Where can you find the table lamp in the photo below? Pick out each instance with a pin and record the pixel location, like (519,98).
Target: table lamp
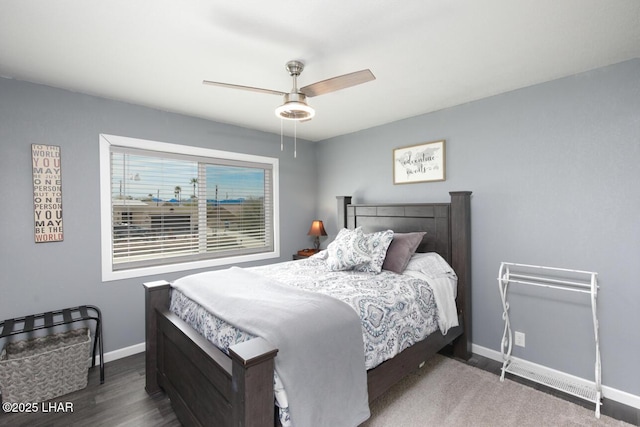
(317,230)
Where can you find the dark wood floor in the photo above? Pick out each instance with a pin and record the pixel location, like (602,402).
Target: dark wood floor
(122,400)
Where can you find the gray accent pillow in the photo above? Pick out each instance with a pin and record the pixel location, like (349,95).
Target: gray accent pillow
(402,247)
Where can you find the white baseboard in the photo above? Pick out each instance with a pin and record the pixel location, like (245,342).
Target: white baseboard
(607,392)
(121,353)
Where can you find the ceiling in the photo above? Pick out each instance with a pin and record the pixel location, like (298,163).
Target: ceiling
(426,54)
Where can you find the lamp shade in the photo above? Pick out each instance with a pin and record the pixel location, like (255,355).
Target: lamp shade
(317,229)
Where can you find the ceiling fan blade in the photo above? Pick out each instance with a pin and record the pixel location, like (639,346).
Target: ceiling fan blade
(337,83)
(249,88)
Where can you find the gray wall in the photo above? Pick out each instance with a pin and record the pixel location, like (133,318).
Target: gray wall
(554,170)
(48,276)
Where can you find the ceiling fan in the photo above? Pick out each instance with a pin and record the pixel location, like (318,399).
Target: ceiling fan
(295,105)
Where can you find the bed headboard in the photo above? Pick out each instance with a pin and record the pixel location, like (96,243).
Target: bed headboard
(432,218)
(448,227)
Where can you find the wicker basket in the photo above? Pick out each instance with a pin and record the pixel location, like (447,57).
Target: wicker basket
(42,368)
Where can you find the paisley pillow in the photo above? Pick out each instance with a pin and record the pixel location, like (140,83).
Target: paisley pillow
(349,250)
(378,243)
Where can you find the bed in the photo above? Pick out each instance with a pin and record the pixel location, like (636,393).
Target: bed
(208,387)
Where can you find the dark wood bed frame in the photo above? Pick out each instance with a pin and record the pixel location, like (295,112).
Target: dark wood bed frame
(207,387)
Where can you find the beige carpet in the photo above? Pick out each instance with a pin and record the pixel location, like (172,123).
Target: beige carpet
(446,392)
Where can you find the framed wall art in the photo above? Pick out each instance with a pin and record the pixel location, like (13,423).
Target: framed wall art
(419,163)
(47,193)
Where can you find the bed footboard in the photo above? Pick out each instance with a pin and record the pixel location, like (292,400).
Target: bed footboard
(206,387)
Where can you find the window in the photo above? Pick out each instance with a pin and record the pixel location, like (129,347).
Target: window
(168,207)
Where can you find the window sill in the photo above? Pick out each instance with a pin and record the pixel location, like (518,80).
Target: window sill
(108,275)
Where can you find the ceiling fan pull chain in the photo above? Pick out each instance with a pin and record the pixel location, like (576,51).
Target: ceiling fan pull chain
(295,138)
(281,137)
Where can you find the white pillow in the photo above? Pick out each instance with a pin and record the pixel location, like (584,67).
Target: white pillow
(431,264)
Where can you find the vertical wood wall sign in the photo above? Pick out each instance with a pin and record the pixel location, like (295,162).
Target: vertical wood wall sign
(47,193)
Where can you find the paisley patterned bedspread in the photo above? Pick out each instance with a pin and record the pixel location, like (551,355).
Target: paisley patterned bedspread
(396,310)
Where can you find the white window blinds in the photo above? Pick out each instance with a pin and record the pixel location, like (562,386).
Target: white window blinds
(169,207)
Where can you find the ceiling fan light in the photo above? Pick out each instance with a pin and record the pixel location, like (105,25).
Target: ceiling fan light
(294,110)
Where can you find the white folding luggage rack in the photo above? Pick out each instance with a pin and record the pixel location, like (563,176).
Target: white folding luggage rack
(553,278)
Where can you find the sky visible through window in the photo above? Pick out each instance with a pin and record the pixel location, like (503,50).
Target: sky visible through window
(145,177)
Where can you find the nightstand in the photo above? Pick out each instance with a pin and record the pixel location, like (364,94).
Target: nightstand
(306,253)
